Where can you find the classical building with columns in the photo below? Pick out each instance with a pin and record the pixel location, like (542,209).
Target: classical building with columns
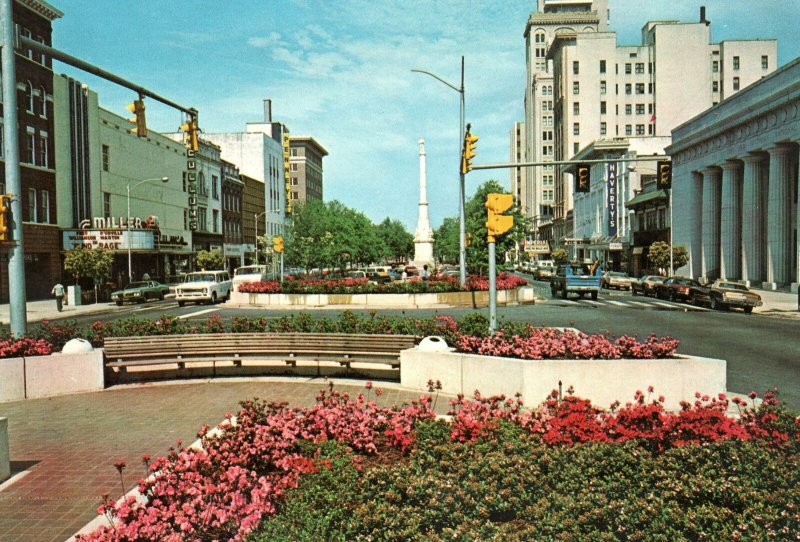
(735,185)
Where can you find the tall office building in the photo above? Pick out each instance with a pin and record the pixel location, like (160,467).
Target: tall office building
(305,163)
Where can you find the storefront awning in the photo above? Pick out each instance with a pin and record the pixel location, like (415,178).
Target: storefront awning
(654,195)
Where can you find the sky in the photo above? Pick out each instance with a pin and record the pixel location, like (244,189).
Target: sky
(340,72)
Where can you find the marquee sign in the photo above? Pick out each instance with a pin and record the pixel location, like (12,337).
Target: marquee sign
(287,174)
(611,176)
(109,239)
(119,223)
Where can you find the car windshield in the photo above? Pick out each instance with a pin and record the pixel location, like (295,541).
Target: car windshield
(687,282)
(732,286)
(251,270)
(133,285)
(200,277)
(616,274)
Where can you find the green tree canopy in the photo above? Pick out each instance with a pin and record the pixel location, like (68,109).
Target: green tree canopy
(209,259)
(658,255)
(560,255)
(445,241)
(398,242)
(95,264)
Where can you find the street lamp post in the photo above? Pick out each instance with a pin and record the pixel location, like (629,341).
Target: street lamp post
(257,216)
(128,220)
(462,237)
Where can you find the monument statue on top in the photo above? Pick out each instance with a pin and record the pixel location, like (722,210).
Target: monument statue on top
(423,236)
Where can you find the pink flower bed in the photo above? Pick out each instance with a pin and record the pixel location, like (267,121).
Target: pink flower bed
(12,348)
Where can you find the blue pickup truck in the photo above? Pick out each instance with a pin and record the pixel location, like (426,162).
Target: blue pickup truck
(578,279)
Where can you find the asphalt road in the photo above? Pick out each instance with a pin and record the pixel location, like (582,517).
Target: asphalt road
(762,351)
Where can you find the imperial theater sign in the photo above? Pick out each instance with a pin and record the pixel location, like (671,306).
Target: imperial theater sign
(113,234)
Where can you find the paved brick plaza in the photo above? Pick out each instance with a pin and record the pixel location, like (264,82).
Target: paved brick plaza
(69,444)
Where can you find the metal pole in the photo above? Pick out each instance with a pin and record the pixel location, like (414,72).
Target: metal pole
(17,295)
(462,220)
(670,233)
(128,240)
(256,220)
(281,267)
(492,289)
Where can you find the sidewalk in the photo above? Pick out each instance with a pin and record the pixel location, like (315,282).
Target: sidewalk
(46,310)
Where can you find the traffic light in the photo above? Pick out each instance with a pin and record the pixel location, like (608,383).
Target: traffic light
(583,177)
(5,217)
(664,176)
(467,239)
(277,244)
(468,152)
(137,108)
(497,223)
(190,129)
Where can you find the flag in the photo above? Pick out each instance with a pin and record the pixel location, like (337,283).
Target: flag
(652,118)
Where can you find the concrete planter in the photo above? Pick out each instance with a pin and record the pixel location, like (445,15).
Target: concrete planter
(601,381)
(453,299)
(44,376)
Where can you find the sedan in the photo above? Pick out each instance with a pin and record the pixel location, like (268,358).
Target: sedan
(616,280)
(646,285)
(141,291)
(676,288)
(722,295)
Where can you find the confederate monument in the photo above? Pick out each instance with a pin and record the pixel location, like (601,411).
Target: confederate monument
(423,237)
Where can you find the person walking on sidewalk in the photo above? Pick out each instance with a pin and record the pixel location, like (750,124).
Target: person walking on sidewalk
(58,291)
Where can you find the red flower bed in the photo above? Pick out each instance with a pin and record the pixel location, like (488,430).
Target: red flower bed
(25,346)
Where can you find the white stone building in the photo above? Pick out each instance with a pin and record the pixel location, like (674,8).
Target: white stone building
(735,185)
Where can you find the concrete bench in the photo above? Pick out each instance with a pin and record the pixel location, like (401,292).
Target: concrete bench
(234,349)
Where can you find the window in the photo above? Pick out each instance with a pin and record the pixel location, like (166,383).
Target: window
(639,88)
(628,67)
(640,109)
(294,167)
(736,63)
(201,188)
(106,151)
(576,67)
(43,154)
(576,87)
(640,129)
(602,87)
(715,86)
(576,129)
(735,83)
(185,219)
(31,107)
(539,37)
(628,109)
(602,66)
(602,108)
(640,67)
(202,221)
(44,215)
(628,129)
(576,108)
(106,205)
(30,146)
(715,66)
(214,187)
(215,220)
(650,108)
(764,62)
(43,103)
(31,205)
(628,88)
(602,128)
(576,147)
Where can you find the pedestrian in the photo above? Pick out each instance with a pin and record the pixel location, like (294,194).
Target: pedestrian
(404,276)
(58,291)
(424,273)
(146,276)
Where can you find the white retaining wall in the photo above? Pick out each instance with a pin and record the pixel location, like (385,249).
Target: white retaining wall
(44,376)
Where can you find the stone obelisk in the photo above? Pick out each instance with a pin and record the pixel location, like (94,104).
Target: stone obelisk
(423,237)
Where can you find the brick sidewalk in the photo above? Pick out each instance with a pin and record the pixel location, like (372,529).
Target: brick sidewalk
(69,444)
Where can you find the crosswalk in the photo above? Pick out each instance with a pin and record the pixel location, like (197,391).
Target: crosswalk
(641,303)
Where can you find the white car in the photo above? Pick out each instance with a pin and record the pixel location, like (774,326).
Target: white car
(202,286)
(249,273)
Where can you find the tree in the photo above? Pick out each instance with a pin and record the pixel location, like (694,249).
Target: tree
(212,259)
(559,255)
(90,263)
(658,255)
(445,241)
(398,242)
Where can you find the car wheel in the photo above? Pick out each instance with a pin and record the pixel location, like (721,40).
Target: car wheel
(161,297)
(672,296)
(213,298)
(119,303)
(748,310)
(564,293)
(714,304)
(181,303)
(594,296)
(553,291)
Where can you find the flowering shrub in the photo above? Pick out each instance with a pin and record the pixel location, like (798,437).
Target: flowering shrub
(222,491)
(24,346)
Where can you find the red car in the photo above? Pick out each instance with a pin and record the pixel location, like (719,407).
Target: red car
(676,288)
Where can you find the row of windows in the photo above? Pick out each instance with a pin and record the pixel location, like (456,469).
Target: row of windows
(38,205)
(232,228)
(37,148)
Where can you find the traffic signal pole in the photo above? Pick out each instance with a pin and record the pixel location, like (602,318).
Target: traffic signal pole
(492,287)
(18,316)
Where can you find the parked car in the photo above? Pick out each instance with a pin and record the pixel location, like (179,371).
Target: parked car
(140,291)
(676,288)
(616,280)
(203,286)
(357,274)
(646,285)
(544,272)
(411,271)
(722,295)
(581,279)
(379,273)
(249,273)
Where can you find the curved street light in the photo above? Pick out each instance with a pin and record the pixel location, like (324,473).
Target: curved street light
(462,238)
(128,219)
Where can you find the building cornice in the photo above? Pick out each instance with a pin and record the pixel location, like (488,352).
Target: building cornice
(541,19)
(42,8)
(310,141)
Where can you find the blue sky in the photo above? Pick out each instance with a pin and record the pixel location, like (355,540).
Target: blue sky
(340,71)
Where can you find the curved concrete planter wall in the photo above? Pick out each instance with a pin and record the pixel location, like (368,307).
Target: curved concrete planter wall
(601,381)
(452,299)
(56,374)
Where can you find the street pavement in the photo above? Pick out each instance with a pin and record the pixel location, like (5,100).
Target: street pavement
(63,449)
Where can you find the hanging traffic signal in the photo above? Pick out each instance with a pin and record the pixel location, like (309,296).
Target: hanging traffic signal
(277,244)
(5,217)
(497,223)
(468,152)
(664,175)
(137,108)
(189,128)
(583,177)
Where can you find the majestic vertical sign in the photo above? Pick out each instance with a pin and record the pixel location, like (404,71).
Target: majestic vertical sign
(611,203)
(191,178)
(287,176)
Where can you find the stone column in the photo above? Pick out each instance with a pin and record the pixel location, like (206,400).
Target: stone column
(711,211)
(730,229)
(779,213)
(753,217)
(694,224)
